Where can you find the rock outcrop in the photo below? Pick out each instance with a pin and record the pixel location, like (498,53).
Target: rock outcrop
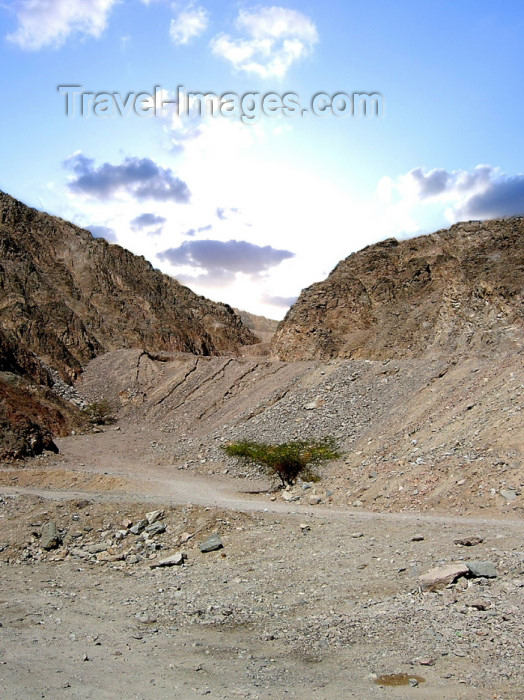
(452,293)
(67,297)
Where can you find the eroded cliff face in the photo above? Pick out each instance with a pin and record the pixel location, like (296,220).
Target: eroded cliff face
(66,297)
(455,292)
(69,296)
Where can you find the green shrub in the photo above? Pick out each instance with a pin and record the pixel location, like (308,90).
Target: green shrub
(287,460)
(99,412)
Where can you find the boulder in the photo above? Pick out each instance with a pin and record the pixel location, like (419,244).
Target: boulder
(50,537)
(211,544)
(442,576)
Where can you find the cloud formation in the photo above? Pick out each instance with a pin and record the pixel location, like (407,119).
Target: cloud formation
(503,197)
(224,213)
(222,260)
(151,223)
(271,40)
(103,232)
(188,24)
(482,193)
(140,177)
(282,302)
(49,23)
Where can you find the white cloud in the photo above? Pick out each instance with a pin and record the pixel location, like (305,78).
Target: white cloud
(415,200)
(50,22)
(273,39)
(189,24)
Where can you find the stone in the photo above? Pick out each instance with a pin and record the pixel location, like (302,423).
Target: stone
(317,403)
(154,515)
(185,537)
(107,556)
(290,496)
(50,537)
(176,559)
(314,500)
(442,576)
(97,547)
(79,553)
(356,535)
(427,661)
(211,544)
(138,527)
(469,541)
(481,569)
(156,528)
(508,494)
(479,603)
(417,538)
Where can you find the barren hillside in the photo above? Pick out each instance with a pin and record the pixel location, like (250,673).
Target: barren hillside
(66,297)
(453,293)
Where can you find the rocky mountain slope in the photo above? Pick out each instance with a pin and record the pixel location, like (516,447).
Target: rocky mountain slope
(263,328)
(66,297)
(415,434)
(453,293)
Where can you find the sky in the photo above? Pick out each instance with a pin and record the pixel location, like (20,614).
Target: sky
(253,203)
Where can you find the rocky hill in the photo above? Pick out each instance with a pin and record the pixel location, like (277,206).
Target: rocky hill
(67,297)
(452,293)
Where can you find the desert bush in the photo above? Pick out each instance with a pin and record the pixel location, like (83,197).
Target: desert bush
(99,412)
(287,460)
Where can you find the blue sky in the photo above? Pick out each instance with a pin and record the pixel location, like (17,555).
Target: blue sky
(251,213)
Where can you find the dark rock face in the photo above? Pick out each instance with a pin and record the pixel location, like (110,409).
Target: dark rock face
(69,296)
(455,292)
(66,297)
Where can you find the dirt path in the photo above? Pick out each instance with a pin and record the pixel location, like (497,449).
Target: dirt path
(303,601)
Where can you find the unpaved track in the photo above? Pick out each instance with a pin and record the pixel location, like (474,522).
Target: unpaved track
(283,615)
(122,456)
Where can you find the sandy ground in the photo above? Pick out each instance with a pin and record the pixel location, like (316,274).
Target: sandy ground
(281,611)
(302,601)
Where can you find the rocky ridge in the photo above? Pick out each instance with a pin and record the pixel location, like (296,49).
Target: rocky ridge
(453,293)
(66,298)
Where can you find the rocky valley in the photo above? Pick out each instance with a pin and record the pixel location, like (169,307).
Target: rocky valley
(138,560)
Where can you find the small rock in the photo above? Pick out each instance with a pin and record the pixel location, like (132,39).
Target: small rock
(417,538)
(479,603)
(427,661)
(185,537)
(156,528)
(508,494)
(289,496)
(314,500)
(356,535)
(106,556)
(50,537)
(154,515)
(174,560)
(442,576)
(481,569)
(304,527)
(126,523)
(469,541)
(97,548)
(211,544)
(138,527)
(317,403)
